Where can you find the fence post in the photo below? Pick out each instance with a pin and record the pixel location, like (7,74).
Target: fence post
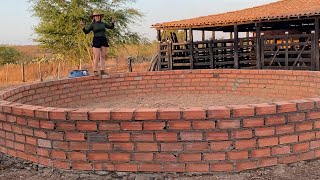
(59,70)
(23,72)
(40,74)
(130,64)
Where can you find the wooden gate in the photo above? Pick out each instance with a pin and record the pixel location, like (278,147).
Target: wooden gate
(290,52)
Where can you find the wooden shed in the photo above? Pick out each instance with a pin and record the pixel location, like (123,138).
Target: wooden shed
(279,35)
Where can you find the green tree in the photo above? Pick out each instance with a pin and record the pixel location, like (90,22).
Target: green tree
(9,55)
(59,29)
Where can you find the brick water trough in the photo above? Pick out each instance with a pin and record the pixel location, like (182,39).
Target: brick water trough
(186,139)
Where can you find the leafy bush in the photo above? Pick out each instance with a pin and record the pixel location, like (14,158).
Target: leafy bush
(9,55)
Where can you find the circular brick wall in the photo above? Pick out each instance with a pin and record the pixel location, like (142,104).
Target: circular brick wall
(193,139)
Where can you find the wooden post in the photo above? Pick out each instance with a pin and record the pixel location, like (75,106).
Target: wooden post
(287,51)
(159,35)
(80,63)
(258,45)
(159,56)
(247,34)
(313,53)
(170,60)
(236,46)
(7,71)
(59,69)
(211,54)
(23,72)
(186,35)
(317,56)
(231,35)
(203,35)
(213,35)
(130,64)
(262,51)
(39,69)
(191,47)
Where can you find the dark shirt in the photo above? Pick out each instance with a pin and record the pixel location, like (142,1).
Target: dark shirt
(98,28)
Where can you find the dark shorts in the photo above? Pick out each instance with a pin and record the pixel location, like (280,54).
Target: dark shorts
(100,41)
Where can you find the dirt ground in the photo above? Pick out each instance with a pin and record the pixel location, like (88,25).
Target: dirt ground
(173,100)
(14,169)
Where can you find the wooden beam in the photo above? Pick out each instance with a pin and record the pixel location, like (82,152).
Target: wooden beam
(159,35)
(191,47)
(203,35)
(213,35)
(258,45)
(231,35)
(287,51)
(236,47)
(317,56)
(186,35)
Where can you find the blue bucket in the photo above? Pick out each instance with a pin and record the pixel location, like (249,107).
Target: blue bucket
(78,73)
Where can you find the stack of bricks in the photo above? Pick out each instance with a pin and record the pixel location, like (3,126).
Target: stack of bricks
(190,139)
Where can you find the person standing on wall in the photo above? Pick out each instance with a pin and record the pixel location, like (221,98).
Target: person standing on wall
(100,42)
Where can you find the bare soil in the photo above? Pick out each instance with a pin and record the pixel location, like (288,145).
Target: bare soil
(173,100)
(14,169)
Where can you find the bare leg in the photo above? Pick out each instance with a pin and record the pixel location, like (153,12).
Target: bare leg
(96,57)
(103,59)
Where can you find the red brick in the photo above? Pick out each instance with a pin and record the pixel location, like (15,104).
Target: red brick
(201,146)
(241,134)
(287,159)
(60,145)
(218,112)
(314,144)
(228,124)
(82,166)
(124,114)
(120,137)
(268,131)
(31,140)
(126,167)
(55,136)
(240,166)
(22,121)
(194,114)
(191,136)
(119,156)
(20,138)
(306,156)
(104,167)
(123,147)
(43,113)
(61,164)
(173,168)
(305,104)
(305,126)
(221,146)
(275,120)
(40,134)
(163,157)
(153,126)
(33,123)
(273,141)
(258,153)
(313,115)
(11,118)
(150,167)
(267,162)
(203,124)
(109,126)
(101,146)
(98,156)
(99,114)
(301,147)
(169,114)
(19,146)
(55,154)
(217,136)
(245,144)
(222,167)
(87,126)
(264,109)
(58,114)
(197,168)
(167,136)
(236,155)
(79,114)
(280,150)
(74,136)
(177,125)
(79,146)
(307,136)
(146,114)
(288,139)
(47,125)
(142,137)
(66,126)
(142,157)
(218,156)
(146,147)
(44,143)
(242,111)
(285,129)
(286,107)
(171,147)
(131,126)
(296,117)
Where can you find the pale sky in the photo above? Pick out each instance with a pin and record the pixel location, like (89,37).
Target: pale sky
(17,22)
